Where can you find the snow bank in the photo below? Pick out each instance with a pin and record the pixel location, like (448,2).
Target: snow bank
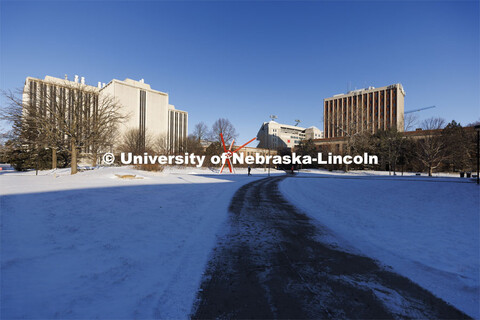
(426,229)
(93,245)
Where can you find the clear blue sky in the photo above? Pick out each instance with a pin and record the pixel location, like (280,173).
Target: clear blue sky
(247,60)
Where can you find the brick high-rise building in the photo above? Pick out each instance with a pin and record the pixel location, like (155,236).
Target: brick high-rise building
(370,109)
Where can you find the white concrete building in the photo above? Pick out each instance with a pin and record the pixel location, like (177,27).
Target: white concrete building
(275,135)
(148,110)
(313,133)
(41,96)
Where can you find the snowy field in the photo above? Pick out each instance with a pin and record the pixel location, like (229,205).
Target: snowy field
(426,229)
(93,245)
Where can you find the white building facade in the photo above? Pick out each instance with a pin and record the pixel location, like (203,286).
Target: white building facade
(274,135)
(148,110)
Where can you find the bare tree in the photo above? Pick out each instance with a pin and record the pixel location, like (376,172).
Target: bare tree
(193,145)
(433,123)
(27,135)
(356,133)
(200,131)
(67,115)
(87,119)
(136,142)
(162,146)
(473,124)
(226,128)
(430,152)
(11,110)
(410,121)
(431,148)
(4,148)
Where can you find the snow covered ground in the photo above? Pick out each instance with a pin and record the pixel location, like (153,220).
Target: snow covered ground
(93,245)
(426,229)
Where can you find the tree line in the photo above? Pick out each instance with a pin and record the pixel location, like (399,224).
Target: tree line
(436,147)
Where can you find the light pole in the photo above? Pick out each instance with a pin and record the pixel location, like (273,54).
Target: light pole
(269,156)
(265,129)
(477,128)
(273,117)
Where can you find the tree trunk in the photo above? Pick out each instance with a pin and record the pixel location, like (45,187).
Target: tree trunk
(36,161)
(94,157)
(74,156)
(54,158)
(430,170)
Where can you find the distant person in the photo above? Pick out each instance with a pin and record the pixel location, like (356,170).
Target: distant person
(292,170)
(249,169)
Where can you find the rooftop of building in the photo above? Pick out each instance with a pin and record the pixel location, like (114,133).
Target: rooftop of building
(367,90)
(100,86)
(414,133)
(80,81)
(271,122)
(288,126)
(135,84)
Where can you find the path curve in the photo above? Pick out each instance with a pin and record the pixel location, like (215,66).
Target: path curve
(270,264)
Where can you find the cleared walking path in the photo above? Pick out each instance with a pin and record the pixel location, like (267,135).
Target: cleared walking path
(271,265)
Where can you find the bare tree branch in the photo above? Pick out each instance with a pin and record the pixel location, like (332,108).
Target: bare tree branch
(69,116)
(410,121)
(225,127)
(200,131)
